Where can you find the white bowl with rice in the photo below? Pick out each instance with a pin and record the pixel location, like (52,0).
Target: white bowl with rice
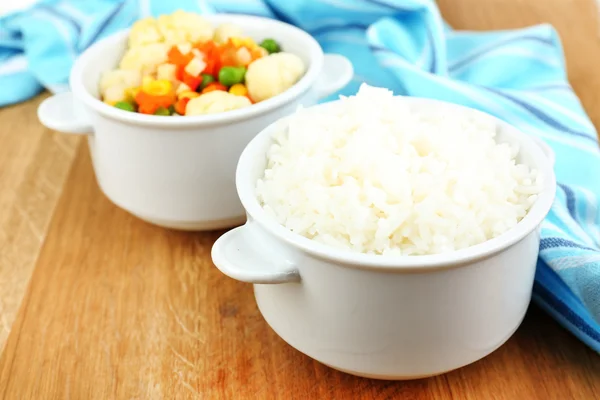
(390,237)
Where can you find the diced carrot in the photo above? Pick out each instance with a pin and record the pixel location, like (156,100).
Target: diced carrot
(229,57)
(147,108)
(179,72)
(175,57)
(212,67)
(206,47)
(148,104)
(181,104)
(164,100)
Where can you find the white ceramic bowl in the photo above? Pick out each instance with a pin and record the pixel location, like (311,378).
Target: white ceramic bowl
(179,172)
(381,316)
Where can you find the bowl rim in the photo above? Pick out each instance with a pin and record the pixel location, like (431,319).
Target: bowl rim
(419,263)
(95,51)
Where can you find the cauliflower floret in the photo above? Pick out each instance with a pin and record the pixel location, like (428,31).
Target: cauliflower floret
(182,27)
(145,58)
(119,78)
(272,75)
(215,102)
(226,31)
(144,31)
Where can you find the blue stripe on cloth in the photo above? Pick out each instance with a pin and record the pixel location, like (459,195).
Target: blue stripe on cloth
(473,57)
(567,318)
(337,28)
(433,65)
(543,116)
(248,7)
(552,242)
(517,75)
(570,199)
(274,8)
(56,12)
(552,294)
(551,87)
(392,7)
(565,311)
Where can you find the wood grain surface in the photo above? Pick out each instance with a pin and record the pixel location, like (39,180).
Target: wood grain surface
(115,308)
(34,164)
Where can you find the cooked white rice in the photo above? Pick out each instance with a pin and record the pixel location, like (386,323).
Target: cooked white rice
(374,176)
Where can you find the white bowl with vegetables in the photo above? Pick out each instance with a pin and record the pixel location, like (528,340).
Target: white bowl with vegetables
(177,169)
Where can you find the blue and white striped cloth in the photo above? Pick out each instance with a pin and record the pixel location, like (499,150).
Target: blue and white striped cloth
(404,45)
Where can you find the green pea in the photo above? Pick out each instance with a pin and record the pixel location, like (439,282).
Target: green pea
(162,111)
(125,105)
(206,79)
(229,76)
(271,46)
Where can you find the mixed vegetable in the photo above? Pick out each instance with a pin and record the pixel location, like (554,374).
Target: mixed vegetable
(178,65)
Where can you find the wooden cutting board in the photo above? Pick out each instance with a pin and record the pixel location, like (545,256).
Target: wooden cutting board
(95,304)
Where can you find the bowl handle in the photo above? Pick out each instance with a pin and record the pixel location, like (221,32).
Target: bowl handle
(545,148)
(336,73)
(60,113)
(235,256)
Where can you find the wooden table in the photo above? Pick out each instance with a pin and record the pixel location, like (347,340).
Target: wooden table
(95,304)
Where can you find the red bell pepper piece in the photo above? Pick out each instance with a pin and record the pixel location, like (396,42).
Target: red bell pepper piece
(192,81)
(212,54)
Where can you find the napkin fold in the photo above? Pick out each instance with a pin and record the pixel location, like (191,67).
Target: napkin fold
(516,75)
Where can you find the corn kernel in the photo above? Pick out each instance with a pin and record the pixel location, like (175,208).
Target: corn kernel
(236,41)
(243,42)
(195,67)
(158,87)
(239,89)
(187,95)
(146,80)
(248,42)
